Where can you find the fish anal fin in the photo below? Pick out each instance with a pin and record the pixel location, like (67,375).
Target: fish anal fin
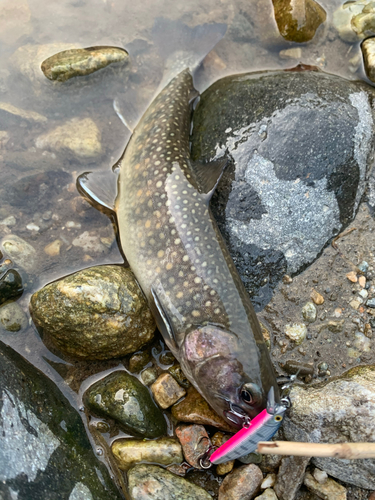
(162,321)
(208,175)
(100,187)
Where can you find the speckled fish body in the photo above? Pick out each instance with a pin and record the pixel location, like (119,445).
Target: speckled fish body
(178,256)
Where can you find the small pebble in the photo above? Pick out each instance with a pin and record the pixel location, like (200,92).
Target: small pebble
(296,332)
(149,375)
(371,303)
(32,227)
(9,221)
(167,391)
(53,249)
(195,443)
(362,281)
(352,276)
(329,489)
(363,266)
(267,495)
(242,483)
(355,304)
(317,297)
(309,312)
(287,279)
(268,481)
(73,225)
(320,475)
(363,294)
(294,53)
(225,468)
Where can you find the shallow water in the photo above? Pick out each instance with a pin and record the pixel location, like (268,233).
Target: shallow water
(35,181)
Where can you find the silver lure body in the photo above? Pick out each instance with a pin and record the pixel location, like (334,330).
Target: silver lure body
(180,260)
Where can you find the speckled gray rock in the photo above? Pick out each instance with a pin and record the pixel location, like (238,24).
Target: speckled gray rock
(97,313)
(337,411)
(243,482)
(20,251)
(12,317)
(44,449)
(125,399)
(300,144)
(149,482)
(290,477)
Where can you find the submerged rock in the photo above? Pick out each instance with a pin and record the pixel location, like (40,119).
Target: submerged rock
(81,62)
(79,137)
(338,411)
(20,251)
(12,111)
(44,449)
(97,313)
(12,317)
(355,20)
(10,286)
(300,144)
(122,397)
(149,482)
(298,20)
(163,451)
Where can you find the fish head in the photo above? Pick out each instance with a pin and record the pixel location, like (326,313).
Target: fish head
(211,358)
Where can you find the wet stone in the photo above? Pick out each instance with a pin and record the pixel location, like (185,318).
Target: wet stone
(97,313)
(12,317)
(281,201)
(80,62)
(10,286)
(298,20)
(242,483)
(179,375)
(149,482)
(122,397)
(317,298)
(167,358)
(341,410)
(20,251)
(163,451)
(138,361)
(149,375)
(329,490)
(355,20)
(292,367)
(166,390)
(309,312)
(195,409)
(267,495)
(9,111)
(296,332)
(194,441)
(290,477)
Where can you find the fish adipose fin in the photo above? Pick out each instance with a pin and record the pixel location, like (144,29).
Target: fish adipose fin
(100,187)
(208,175)
(163,323)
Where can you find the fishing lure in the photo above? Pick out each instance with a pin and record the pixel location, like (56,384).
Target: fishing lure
(260,428)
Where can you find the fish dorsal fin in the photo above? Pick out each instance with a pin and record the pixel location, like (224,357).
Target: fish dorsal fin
(208,175)
(101,186)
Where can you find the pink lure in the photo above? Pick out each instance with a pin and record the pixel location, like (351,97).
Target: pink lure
(261,428)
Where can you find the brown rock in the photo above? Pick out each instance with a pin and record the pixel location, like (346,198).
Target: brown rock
(290,477)
(316,297)
(243,483)
(225,468)
(194,441)
(352,276)
(362,281)
(329,490)
(166,390)
(217,440)
(194,409)
(53,249)
(298,20)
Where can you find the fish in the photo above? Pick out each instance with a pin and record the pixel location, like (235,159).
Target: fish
(174,247)
(261,428)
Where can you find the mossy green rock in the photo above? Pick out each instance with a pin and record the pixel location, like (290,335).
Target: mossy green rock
(97,313)
(150,482)
(124,398)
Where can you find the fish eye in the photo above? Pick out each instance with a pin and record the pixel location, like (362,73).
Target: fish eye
(246,396)
(278,418)
(251,394)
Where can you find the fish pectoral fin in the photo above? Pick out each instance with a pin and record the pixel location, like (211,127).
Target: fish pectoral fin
(208,175)
(100,187)
(163,322)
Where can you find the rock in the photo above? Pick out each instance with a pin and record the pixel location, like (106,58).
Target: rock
(368,52)
(371,303)
(166,391)
(163,451)
(122,397)
(268,481)
(298,20)
(296,332)
(149,482)
(361,342)
(338,411)
(7,110)
(352,276)
(363,266)
(194,409)
(295,53)
(97,313)
(79,137)
(10,286)
(179,375)
(12,317)
(355,20)
(53,249)
(149,375)
(281,201)
(44,449)
(90,242)
(80,62)
(243,483)
(224,468)
(267,495)
(21,252)
(329,490)
(217,440)
(14,21)
(309,312)
(317,297)
(251,458)
(290,477)
(138,361)
(292,367)
(195,443)
(362,281)
(320,475)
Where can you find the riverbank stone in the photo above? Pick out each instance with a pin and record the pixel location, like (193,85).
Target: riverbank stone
(126,400)
(149,482)
(97,313)
(300,144)
(44,448)
(243,482)
(163,451)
